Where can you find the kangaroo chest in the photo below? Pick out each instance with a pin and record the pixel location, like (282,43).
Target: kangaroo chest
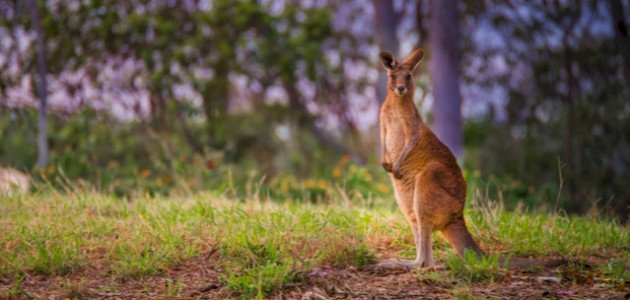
(398,122)
(395,137)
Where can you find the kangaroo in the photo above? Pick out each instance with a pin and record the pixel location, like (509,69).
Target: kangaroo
(428,183)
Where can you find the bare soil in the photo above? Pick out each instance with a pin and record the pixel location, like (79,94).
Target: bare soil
(199,279)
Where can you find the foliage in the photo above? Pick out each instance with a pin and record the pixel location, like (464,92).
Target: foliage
(99,152)
(565,117)
(195,47)
(126,157)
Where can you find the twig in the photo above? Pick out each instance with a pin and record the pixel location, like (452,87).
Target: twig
(205,289)
(107,295)
(211,253)
(561,182)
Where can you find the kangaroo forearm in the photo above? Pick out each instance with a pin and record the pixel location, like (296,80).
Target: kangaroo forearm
(401,159)
(385,162)
(384,153)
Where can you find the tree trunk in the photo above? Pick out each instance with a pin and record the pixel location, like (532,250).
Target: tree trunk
(622,36)
(190,137)
(215,103)
(574,203)
(42,134)
(387,39)
(421,26)
(444,67)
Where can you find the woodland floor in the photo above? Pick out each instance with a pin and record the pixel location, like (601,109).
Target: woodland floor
(199,279)
(93,246)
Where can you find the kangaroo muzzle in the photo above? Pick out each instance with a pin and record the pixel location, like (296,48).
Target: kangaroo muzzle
(401,90)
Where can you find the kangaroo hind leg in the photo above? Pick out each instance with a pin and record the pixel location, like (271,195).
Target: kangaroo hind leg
(424,243)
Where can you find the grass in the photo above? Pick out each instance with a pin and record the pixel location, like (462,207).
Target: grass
(472,268)
(265,246)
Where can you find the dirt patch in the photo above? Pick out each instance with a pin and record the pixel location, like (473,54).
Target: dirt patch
(194,279)
(199,279)
(370,284)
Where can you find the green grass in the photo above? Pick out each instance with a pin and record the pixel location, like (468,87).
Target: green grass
(263,245)
(473,268)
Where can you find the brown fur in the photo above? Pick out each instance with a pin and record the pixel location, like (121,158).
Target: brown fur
(428,183)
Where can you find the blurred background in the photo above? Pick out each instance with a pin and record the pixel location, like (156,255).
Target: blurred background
(281,97)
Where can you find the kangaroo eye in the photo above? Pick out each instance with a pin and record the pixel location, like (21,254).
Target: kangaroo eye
(408,77)
(393,76)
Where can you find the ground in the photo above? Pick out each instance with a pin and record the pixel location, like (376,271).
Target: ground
(199,279)
(207,246)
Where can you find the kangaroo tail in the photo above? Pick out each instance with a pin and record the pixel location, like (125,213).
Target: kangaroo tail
(525,263)
(459,237)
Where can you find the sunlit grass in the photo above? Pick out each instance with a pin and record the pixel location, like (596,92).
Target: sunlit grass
(542,234)
(265,245)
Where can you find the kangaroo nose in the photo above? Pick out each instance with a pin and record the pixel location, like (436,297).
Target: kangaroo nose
(401,89)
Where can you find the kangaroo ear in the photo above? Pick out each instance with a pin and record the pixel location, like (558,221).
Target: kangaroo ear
(388,61)
(413,60)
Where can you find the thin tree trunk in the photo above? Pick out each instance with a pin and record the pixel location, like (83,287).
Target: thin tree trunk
(622,36)
(215,103)
(420,26)
(190,137)
(574,167)
(444,67)
(42,135)
(574,204)
(387,39)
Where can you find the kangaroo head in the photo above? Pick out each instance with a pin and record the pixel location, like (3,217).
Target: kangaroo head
(400,75)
